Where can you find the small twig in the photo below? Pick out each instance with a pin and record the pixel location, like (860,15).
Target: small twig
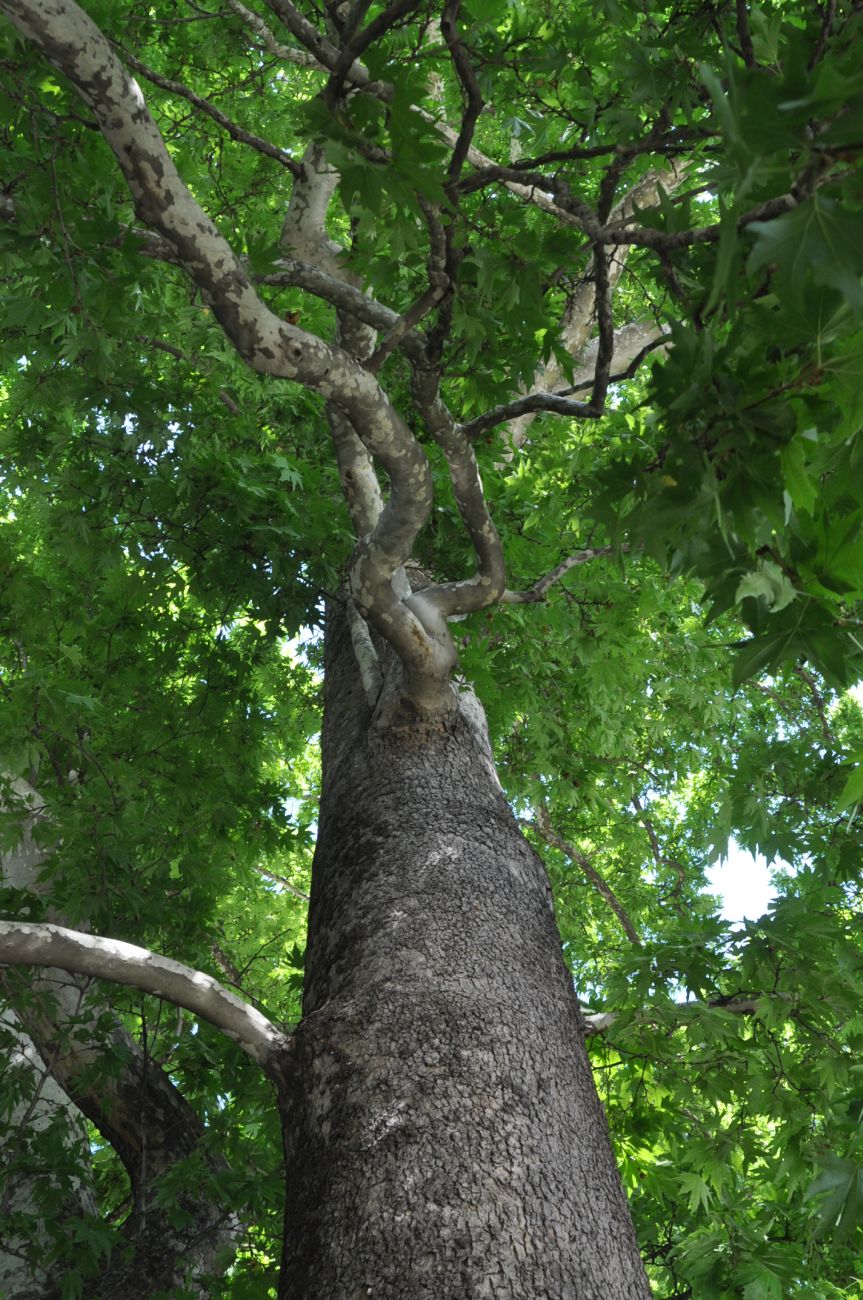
(661,859)
(539,590)
(818,701)
(280,880)
(236,132)
(161,346)
(600,884)
(405,324)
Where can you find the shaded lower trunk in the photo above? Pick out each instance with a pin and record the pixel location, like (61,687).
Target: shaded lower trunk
(447,1140)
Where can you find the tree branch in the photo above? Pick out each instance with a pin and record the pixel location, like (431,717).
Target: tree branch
(632,344)
(581,305)
(287,52)
(600,884)
(235,131)
(540,588)
(357,42)
(598,1022)
(120,1089)
(489,581)
(281,880)
(743,33)
(69,38)
(469,84)
(346,297)
(28,944)
(523,405)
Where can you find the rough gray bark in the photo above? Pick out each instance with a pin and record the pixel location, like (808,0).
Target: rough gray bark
(446,1139)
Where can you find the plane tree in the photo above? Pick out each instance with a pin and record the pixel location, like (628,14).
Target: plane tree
(487,377)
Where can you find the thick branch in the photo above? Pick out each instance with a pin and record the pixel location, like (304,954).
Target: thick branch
(347,298)
(27,944)
(68,37)
(488,583)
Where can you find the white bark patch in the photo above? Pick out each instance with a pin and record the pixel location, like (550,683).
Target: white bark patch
(23,943)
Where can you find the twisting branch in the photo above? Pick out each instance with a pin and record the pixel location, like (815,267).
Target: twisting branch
(236,132)
(69,38)
(24,943)
(488,583)
(347,298)
(600,884)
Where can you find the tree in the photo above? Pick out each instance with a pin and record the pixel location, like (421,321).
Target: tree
(611,258)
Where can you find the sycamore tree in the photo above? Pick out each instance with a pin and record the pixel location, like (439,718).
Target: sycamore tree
(431,463)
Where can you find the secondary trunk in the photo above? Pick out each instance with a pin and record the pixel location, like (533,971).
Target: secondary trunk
(446,1138)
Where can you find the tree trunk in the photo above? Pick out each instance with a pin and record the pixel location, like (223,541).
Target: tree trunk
(445,1139)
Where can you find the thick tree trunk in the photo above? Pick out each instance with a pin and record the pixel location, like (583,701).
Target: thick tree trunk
(447,1140)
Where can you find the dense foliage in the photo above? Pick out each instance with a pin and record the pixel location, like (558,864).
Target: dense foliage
(173,522)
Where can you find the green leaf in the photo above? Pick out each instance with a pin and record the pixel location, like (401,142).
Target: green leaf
(767,582)
(840,1184)
(852,792)
(817,239)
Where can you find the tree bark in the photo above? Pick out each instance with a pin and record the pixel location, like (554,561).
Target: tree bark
(445,1137)
(102,1073)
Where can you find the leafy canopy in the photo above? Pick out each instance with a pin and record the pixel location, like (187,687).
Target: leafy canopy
(173,520)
